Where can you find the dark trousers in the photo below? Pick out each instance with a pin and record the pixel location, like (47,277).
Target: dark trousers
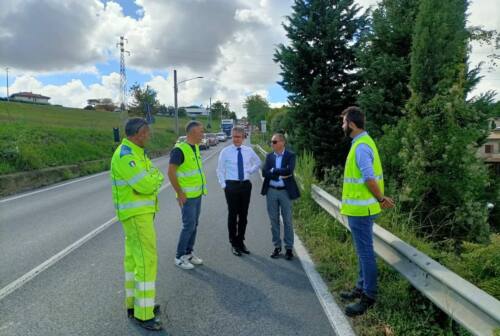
(238,199)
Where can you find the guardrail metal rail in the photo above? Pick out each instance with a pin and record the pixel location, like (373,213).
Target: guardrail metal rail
(471,307)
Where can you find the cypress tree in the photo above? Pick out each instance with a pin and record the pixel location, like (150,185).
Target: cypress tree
(444,181)
(319,71)
(384,59)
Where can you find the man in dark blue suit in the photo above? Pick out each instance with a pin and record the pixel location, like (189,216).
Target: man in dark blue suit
(280,189)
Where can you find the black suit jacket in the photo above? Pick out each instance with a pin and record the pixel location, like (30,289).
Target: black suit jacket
(287,168)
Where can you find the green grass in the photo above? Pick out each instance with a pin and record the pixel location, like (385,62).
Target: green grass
(40,136)
(401,309)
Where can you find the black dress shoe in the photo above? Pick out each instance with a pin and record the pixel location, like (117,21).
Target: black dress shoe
(360,307)
(244,249)
(352,295)
(153,324)
(156,311)
(235,251)
(276,252)
(289,254)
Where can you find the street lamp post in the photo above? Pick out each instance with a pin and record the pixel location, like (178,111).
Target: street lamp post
(7,75)
(175,99)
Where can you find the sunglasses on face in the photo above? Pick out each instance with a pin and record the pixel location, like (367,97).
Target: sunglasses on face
(274,142)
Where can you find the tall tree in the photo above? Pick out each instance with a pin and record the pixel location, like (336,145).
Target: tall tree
(319,71)
(141,98)
(220,110)
(257,108)
(444,181)
(384,59)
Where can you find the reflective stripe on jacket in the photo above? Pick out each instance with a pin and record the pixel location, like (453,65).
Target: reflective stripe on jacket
(357,199)
(135,181)
(190,173)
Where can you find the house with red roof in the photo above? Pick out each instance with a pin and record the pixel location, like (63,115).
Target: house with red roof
(29,97)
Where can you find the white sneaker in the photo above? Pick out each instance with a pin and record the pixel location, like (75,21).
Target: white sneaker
(194,259)
(183,262)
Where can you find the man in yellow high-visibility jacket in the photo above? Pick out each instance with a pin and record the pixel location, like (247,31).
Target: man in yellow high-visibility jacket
(362,200)
(136,183)
(186,175)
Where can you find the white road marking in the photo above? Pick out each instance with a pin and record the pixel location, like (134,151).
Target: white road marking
(339,322)
(21,281)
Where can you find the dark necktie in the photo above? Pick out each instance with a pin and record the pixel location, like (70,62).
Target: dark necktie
(241,174)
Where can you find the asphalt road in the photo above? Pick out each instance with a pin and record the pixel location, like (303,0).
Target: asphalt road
(82,294)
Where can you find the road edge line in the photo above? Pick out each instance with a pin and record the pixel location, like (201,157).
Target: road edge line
(19,282)
(335,315)
(30,275)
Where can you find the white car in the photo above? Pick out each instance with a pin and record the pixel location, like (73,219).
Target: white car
(221,136)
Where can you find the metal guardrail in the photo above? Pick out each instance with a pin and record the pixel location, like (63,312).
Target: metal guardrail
(470,306)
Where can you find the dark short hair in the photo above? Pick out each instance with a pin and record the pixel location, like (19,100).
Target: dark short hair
(355,115)
(192,124)
(134,125)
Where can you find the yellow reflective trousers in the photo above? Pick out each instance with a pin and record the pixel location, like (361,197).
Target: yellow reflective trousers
(140,264)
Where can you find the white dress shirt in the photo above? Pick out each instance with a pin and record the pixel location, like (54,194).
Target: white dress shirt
(279,160)
(227,168)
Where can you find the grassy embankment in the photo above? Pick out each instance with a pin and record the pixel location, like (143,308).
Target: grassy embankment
(40,136)
(401,309)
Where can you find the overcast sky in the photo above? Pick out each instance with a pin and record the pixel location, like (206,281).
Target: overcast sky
(67,49)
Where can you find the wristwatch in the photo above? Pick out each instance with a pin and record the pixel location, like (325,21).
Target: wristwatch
(381,200)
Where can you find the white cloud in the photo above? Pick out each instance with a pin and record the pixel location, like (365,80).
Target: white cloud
(278,104)
(229,42)
(74,93)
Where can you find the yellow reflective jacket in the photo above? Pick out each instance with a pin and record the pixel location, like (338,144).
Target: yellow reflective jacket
(190,173)
(135,181)
(357,199)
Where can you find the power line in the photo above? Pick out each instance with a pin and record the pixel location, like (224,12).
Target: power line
(123,79)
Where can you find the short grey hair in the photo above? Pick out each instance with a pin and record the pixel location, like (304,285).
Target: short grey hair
(238,129)
(280,136)
(134,125)
(192,124)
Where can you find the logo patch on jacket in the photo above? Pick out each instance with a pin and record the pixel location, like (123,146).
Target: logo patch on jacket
(126,150)
(132,163)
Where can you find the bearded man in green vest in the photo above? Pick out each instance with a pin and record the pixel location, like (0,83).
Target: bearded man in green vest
(185,171)
(136,183)
(362,200)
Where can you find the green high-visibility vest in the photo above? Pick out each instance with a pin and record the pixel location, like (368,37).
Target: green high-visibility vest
(190,173)
(135,181)
(357,200)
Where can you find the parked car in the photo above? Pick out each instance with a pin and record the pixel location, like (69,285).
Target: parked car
(181,139)
(221,136)
(212,139)
(204,143)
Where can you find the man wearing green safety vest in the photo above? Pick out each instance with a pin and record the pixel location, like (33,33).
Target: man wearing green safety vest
(185,172)
(135,184)
(362,200)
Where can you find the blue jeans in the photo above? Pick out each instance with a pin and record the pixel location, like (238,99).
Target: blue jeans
(279,201)
(190,215)
(362,234)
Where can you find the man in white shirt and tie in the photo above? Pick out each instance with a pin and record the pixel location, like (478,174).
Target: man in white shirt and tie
(236,163)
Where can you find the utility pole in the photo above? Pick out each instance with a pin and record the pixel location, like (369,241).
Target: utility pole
(175,105)
(210,112)
(7,75)
(175,99)
(123,81)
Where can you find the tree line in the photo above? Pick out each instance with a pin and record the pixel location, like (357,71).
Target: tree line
(405,63)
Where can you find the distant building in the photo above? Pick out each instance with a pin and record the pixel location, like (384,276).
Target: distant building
(29,97)
(195,111)
(102,104)
(490,151)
